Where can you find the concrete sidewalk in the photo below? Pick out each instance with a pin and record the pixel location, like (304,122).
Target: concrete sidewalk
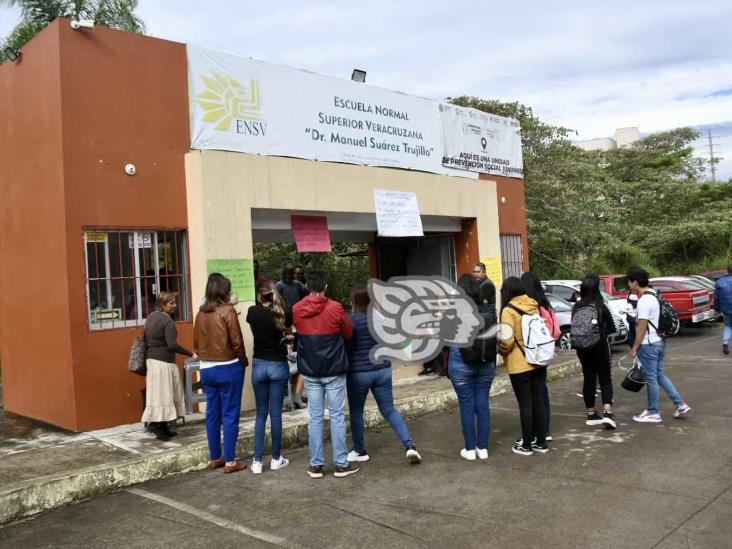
(42,468)
(643,486)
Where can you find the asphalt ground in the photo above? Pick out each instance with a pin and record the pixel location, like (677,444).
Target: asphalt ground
(643,485)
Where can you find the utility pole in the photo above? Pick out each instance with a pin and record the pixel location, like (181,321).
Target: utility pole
(712,160)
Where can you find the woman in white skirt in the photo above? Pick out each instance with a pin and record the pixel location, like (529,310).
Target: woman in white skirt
(164,400)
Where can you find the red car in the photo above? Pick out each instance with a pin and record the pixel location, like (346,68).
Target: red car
(693,303)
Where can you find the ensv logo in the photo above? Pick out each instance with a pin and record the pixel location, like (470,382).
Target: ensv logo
(226,100)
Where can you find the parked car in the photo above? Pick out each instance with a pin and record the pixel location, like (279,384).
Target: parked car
(704,281)
(675,288)
(568,290)
(615,284)
(563,310)
(715,274)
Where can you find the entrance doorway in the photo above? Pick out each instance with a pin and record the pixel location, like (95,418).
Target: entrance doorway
(430,255)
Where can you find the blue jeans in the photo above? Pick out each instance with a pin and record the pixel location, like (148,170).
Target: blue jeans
(333,390)
(651,357)
(472,385)
(269,379)
(379,382)
(727,334)
(223,386)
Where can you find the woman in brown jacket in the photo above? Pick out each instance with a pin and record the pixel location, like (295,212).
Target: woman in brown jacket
(218,341)
(528,381)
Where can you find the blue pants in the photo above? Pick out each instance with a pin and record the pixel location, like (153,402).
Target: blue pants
(223,386)
(727,334)
(333,390)
(269,380)
(651,358)
(379,382)
(472,383)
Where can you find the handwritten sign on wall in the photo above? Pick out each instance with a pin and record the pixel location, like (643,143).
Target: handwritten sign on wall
(397,213)
(311,233)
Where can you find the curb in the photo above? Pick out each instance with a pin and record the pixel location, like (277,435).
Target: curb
(46,493)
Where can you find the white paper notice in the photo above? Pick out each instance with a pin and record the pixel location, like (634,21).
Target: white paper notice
(397,213)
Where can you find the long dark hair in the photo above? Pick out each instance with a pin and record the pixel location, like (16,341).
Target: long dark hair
(512,287)
(470,286)
(359,298)
(534,289)
(218,291)
(590,293)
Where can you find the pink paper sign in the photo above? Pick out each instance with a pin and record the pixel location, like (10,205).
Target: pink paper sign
(311,233)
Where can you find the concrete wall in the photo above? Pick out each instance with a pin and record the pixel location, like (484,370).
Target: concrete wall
(82,104)
(511,202)
(223,187)
(35,339)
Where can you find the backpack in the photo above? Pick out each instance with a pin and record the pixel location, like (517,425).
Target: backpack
(550,318)
(585,330)
(483,349)
(668,318)
(538,343)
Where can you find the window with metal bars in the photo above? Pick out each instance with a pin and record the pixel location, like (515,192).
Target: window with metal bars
(125,271)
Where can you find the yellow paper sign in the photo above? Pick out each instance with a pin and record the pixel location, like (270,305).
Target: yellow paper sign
(494,269)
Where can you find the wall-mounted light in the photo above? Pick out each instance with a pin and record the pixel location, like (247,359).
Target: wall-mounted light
(82,24)
(503,200)
(12,53)
(358,75)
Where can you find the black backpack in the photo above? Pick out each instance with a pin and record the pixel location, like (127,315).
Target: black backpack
(668,318)
(482,350)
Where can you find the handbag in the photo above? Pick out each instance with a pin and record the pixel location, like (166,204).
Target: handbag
(634,379)
(136,363)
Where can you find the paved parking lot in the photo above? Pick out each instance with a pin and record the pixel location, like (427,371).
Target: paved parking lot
(643,485)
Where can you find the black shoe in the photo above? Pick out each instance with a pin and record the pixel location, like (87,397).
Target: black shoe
(725,349)
(608,418)
(159,432)
(549,437)
(594,419)
(424,373)
(342,472)
(520,450)
(540,448)
(520,441)
(168,430)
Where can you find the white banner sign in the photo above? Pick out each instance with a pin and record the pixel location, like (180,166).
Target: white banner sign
(397,213)
(238,104)
(481,142)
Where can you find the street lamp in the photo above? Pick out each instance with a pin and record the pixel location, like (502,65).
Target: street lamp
(358,75)
(12,53)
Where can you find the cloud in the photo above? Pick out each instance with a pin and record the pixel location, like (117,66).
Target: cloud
(590,66)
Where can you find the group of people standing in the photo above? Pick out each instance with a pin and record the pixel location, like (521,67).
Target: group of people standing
(472,370)
(333,361)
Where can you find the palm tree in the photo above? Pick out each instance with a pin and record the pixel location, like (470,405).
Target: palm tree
(36,14)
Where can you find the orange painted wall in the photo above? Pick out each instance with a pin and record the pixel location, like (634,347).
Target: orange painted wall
(35,343)
(512,213)
(124,100)
(467,253)
(85,103)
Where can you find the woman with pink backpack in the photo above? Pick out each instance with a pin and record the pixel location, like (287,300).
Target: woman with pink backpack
(535,291)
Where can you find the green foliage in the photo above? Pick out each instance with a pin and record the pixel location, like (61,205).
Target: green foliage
(603,211)
(343,272)
(37,14)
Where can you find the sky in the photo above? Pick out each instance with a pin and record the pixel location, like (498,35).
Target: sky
(589,66)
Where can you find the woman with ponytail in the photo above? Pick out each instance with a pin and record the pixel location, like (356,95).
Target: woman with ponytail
(270,323)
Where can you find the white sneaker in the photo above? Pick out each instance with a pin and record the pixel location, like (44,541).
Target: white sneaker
(276,464)
(353,455)
(413,456)
(467,454)
(683,409)
(256,467)
(482,453)
(647,417)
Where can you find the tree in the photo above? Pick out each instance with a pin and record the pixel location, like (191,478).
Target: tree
(37,14)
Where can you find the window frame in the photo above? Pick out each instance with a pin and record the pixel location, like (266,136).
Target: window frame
(184,302)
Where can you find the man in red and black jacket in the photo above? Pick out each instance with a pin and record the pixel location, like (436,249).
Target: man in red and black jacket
(322,327)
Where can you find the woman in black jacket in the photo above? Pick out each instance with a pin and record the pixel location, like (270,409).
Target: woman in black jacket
(364,376)
(596,360)
(473,369)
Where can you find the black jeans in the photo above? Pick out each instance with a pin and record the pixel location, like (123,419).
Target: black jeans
(596,363)
(529,390)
